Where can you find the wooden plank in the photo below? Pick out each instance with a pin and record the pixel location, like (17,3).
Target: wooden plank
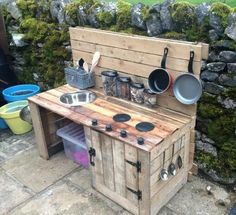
(84,116)
(174,185)
(136,43)
(205,51)
(129,206)
(98,168)
(107,161)
(134,56)
(144,182)
(191,148)
(131,173)
(125,66)
(39,130)
(119,167)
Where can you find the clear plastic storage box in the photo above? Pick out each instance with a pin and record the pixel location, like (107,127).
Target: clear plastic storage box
(74,143)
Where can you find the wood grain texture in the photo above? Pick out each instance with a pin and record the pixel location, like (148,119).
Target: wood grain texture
(125,54)
(131,173)
(119,167)
(40,135)
(107,161)
(136,43)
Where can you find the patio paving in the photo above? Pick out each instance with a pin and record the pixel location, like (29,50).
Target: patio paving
(30,185)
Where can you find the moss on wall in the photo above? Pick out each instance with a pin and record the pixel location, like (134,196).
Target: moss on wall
(183,16)
(123,15)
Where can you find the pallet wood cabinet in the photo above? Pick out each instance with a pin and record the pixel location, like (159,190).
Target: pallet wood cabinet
(131,176)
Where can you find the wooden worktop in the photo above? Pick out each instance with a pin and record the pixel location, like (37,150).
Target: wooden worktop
(104,108)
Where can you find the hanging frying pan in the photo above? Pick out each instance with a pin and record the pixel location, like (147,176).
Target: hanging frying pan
(187,88)
(160,80)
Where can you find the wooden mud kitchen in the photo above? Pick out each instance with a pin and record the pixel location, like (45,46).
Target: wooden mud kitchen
(131,146)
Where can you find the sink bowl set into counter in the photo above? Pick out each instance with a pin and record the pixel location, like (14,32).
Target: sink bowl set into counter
(138,156)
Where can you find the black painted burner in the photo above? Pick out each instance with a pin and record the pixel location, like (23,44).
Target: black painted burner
(121,117)
(144,126)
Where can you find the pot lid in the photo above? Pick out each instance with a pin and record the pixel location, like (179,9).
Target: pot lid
(124,79)
(110,73)
(137,85)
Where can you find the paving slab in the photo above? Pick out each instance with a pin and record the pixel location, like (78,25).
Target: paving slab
(193,198)
(37,173)
(12,193)
(81,178)
(64,198)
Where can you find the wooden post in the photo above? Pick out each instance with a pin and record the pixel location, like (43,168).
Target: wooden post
(3,35)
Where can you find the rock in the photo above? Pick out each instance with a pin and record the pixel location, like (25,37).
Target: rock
(215,23)
(206,147)
(82,16)
(14,10)
(213,88)
(227,102)
(154,26)
(202,11)
(215,177)
(206,139)
(216,66)
(227,56)
(57,10)
(209,76)
(203,65)
(213,56)
(137,17)
(226,80)
(18,40)
(231,68)
(198,135)
(223,45)
(69,20)
(230,31)
(213,35)
(92,17)
(165,16)
(156,8)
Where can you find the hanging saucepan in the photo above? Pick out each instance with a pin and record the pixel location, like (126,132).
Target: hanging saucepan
(160,80)
(187,88)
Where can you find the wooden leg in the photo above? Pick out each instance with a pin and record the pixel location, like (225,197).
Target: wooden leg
(39,130)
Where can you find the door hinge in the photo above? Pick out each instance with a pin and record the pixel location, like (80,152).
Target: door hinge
(138,193)
(137,165)
(92,154)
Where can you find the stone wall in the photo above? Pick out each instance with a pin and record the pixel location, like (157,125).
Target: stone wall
(39,41)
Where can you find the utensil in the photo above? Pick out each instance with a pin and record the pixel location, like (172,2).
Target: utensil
(86,67)
(159,79)
(80,63)
(179,162)
(164,175)
(172,167)
(187,88)
(95,60)
(25,114)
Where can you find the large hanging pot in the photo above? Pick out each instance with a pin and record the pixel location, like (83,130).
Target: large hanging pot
(187,88)
(159,80)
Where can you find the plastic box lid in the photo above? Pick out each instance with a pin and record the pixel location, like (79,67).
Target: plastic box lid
(73,133)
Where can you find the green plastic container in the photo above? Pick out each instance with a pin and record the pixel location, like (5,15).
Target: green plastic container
(11,114)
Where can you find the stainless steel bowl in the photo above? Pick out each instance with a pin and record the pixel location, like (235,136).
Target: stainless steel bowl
(25,114)
(78,98)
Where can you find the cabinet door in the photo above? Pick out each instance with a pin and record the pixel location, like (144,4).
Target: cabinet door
(112,175)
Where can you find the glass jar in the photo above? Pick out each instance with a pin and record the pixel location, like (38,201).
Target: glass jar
(136,91)
(150,98)
(123,87)
(109,82)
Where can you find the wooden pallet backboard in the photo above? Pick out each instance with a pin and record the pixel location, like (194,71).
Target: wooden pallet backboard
(136,57)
